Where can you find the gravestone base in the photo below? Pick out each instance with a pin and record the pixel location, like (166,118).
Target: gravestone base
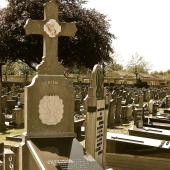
(57,153)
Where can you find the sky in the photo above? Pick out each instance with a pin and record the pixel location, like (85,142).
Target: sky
(141,26)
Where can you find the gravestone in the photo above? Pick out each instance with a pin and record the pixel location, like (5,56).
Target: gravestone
(21,98)
(111,113)
(138,117)
(140,101)
(118,110)
(18,116)
(96,118)
(4,102)
(124,114)
(53,105)
(129,112)
(150,106)
(2,116)
(1,156)
(77,105)
(49,139)
(9,159)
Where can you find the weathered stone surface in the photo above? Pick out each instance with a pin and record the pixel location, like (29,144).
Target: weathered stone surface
(96,118)
(37,122)
(51,29)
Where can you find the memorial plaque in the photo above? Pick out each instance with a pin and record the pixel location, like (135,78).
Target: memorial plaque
(100,118)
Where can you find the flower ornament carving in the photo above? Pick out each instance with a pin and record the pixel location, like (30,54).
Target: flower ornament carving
(52,28)
(51,110)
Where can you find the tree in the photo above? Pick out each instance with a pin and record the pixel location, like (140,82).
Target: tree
(8,69)
(92,43)
(137,64)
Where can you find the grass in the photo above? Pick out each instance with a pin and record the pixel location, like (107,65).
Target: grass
(10,132)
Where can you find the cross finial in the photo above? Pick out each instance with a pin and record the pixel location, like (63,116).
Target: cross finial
(50,28)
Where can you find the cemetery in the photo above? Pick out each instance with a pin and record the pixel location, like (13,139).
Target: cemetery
(91,122)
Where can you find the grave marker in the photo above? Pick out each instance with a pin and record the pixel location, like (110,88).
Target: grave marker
(51,116)
(2,116)
(49,140)
(96,118)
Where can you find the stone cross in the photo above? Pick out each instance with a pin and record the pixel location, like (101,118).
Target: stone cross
(50,28)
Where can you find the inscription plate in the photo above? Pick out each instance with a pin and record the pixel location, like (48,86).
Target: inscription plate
(51,110)
(100,116)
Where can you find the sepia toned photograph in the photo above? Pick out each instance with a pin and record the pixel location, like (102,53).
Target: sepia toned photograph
(84,85)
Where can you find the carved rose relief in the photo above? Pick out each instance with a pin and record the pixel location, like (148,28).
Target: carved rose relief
(51,110)
(52,28)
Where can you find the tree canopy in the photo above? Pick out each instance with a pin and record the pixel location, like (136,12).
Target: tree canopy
(91,44)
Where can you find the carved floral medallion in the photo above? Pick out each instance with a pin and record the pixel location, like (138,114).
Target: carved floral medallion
(52,28)
(51,110)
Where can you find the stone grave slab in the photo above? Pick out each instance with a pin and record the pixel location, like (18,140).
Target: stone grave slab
(149,132)
(158,125)
(126,144)
(158,118)
(61,154)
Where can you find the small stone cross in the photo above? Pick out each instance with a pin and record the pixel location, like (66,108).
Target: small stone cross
(50,28)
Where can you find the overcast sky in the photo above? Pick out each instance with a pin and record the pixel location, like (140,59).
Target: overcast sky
(140,26)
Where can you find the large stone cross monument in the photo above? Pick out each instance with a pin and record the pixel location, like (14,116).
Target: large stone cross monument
(50,28)
(49,99)
(49,141)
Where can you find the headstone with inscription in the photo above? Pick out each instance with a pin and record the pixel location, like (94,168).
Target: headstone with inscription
(49,139)
(96,118)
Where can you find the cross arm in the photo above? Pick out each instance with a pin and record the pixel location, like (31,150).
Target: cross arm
(68,29)
(34,27)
